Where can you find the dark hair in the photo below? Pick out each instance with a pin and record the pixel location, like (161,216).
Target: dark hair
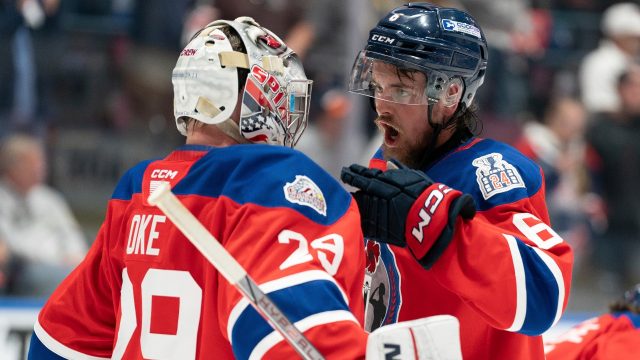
(468,120)
(630,301)
(237,45)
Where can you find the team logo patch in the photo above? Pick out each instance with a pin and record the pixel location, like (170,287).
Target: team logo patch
(457,26)
(303,191)
(381,289)
(495,175)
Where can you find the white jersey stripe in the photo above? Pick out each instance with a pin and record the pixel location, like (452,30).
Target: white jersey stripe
(303,325)
(278,284)
(521,285)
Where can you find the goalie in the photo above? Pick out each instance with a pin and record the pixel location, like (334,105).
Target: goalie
(144,291)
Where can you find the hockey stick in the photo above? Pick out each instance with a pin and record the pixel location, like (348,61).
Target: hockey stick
(229,267)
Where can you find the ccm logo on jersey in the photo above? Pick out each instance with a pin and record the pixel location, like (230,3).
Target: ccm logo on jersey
(382,39)
(163,174)
(427,211)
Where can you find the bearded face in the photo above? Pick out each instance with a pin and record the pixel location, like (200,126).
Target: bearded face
(405,126)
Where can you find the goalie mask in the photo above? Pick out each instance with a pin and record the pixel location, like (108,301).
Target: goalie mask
(275,97)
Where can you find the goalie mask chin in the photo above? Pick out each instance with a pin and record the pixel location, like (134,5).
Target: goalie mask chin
(275,100)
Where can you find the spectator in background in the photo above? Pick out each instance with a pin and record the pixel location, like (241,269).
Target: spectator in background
(616,139)
(337,133)
(35,221)
(510,31)
(280,16)
(614,335)
(619,48)
(558,145)
(19,96)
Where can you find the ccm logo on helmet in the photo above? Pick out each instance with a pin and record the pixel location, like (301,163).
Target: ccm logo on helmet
(163,174)
(382,39)
(428,209)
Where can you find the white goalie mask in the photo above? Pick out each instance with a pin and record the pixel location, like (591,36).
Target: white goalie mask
(275,101)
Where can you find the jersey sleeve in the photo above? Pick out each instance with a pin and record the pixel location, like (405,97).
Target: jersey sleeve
(307,270)
(507,262)
(78,320)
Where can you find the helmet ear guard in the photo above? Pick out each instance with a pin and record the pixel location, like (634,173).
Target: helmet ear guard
(452,92)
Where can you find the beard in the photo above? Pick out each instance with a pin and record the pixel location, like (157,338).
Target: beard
(409,152)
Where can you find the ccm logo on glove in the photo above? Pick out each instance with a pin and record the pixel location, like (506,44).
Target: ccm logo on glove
(428,209)
(429,218)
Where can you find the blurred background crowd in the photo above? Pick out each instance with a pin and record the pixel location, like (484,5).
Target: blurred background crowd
(85,92)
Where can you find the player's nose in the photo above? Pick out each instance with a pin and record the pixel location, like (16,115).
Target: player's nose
(383,106)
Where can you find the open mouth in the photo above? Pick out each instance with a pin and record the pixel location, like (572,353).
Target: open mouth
(390,132)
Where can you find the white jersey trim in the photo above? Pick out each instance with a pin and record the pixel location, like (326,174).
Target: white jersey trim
(58,348)
(278,284)
(303,325)
(557,274)
(521,285)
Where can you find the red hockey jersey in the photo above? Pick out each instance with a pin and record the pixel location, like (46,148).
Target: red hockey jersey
(610,336)
(506,273)
(144,291)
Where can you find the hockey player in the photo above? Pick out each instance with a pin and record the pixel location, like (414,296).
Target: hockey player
(464,230)
(144,291)
(614,335)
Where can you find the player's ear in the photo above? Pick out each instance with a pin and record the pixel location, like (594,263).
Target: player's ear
(452,93)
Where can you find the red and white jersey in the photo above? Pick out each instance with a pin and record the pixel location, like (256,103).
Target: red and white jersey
(144,291)
(506,273)
(610,336)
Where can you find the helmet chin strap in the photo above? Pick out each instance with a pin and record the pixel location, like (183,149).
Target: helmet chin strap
(435,133)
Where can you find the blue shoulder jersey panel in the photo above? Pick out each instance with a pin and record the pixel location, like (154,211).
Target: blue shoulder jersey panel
(265,175)
(492,172)
(131,182)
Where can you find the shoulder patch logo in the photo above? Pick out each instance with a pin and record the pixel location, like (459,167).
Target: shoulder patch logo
(303,191)
(495,175)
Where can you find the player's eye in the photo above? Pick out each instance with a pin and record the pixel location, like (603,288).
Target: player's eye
(400,93)
(374,88)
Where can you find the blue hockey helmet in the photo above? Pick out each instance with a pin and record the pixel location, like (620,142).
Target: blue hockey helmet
(445,44)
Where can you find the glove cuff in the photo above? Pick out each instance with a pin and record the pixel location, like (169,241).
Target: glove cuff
(428,217)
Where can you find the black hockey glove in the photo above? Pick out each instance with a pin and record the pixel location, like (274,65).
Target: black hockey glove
(405,207)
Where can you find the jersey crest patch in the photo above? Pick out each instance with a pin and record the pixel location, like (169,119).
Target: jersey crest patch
(303,191)
(495,175)
(381,290)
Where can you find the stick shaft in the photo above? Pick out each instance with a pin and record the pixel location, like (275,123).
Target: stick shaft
(229,267)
